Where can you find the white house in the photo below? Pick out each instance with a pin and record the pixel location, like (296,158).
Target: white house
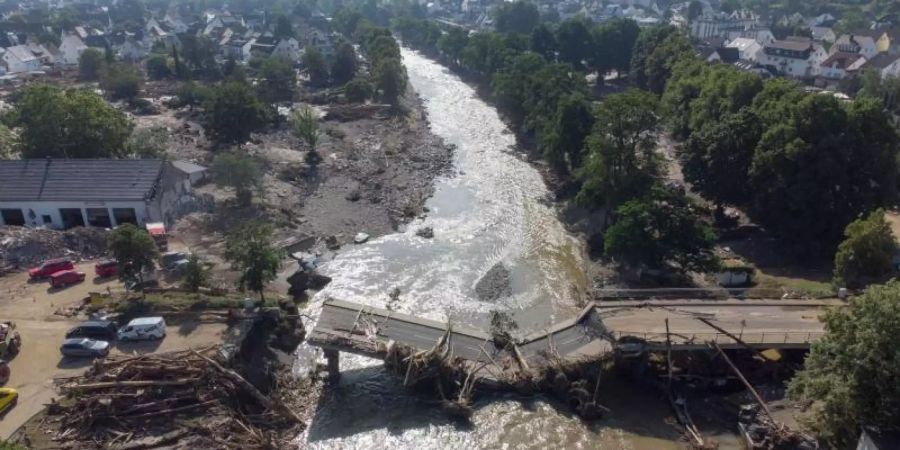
(793,57)
(856,43)
(748,49)
(19,58)
(65,193)
(71,48)
(824,34)
(837,64)
(288,49)
(886,64)
(132,50)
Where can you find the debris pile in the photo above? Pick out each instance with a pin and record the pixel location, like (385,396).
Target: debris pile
(150,400)
(763,433)
(23,247)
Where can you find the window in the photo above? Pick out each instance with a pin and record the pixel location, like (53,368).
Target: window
(125,215)
(47,219)
(13,217)
(99,217)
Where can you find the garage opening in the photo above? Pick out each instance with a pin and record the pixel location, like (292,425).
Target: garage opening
(13,217)
(125,215)
(71,217)
(99,217)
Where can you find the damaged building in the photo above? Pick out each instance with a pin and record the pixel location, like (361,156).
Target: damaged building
(67,193)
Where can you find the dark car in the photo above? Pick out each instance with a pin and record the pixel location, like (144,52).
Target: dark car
(106,268)
(84,347)
(65,278)
(50,267)
(102,330)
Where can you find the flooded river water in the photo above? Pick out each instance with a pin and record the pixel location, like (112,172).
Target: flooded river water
(494,208)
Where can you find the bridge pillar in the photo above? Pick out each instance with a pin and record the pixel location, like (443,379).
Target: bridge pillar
(334,365)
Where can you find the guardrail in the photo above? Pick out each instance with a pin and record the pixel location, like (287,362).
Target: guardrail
(767,338)
(698,293)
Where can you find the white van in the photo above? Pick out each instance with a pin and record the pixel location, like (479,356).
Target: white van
(143,328)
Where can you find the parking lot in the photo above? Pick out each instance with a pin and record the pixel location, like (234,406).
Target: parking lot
(33,306)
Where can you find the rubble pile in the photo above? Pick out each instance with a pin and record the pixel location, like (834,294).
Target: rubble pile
(24,247)
(155,399)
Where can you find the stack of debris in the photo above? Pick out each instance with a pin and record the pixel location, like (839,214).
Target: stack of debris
(23,247)
(763,433)
(150,400)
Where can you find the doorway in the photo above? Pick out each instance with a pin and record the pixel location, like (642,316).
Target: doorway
(99,217)
(71,217)
(13,217)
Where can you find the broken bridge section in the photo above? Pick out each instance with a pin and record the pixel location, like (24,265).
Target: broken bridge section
(600,329)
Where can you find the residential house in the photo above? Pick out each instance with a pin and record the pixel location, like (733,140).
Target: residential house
(133,49)
(792,57)
(759,34)
(889,41)
(823,34)
(822,20)
(19,58)
(836,66)
(65,193)
(886,64)
(71,47)
(863,44)
(748,49)
(288,49)
(43,53)
(321,42)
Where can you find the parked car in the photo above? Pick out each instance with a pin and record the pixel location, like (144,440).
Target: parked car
(65,278)
(103,330)
(106,268)
(8,398)
(143,328)
(84,347)
(50,267)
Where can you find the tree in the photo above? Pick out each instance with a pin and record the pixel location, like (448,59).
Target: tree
(75,123)
(656,51)
(10,143)
(452,44)
(192,94)
(346,20)
(574,40)
(158,67)
(283,28)
(390,80)
(178,67)
(195,274)
(573,122)
(250,251)
(278,80)
(850,375)
(240,172)
(315,66)
(866,253)
(621,164)
(543,42)
(90,64)
(148,143)
(121,82)
(134,250)
(695,10)
(613,42)
(306,127)
(358,90)
(344,67)
(716,160)
(199,53)
(659,230)
(233,112)
(517,17)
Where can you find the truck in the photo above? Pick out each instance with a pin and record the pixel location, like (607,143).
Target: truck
(10,341)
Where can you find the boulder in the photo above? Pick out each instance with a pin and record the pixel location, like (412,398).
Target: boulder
(425,232)
(331,243)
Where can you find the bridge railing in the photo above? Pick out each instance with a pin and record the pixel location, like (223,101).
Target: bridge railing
(712,293)
(764,338)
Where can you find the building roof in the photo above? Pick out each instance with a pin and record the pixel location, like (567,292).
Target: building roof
(841,60)
(188,167)
(793,45)
(742,44)
(880,61)
(21,52)
(79,179)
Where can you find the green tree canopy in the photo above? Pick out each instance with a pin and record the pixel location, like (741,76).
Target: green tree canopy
(390,80)
(343,69)
(195,274)
(148,143)
(866,253)
(575,41)
(157,67)
(250,251)
(358,90)
(656,51)
(613,42)
(90,64)
(543,42)
(283,28)
(121,82)
(663,229)
(520,16)
(134,250)
(573,122)
(75,123)
(305,124)
(315,66)
(239,171)
(233,112)
(850,375)
(278,81)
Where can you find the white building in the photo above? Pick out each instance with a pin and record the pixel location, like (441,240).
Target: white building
(748,49)
(65,193)
(71,48)
(19,58)
(856,43)
(836,66)
(793,57)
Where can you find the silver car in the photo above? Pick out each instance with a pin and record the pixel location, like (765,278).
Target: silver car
(84,347)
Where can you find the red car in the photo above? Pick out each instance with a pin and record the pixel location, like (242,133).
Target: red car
(65,278)
(50,267)
(106,268)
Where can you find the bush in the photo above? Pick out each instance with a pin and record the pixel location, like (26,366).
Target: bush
(358,90)
(190,94)
(121,82)
(866,253)
(90,64)
(158,67)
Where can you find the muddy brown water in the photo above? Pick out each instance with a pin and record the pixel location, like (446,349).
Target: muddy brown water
(493,209)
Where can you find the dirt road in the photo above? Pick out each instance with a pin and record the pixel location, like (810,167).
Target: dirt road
(31,306)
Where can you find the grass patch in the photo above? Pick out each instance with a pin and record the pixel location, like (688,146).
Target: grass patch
(813,288)
(178,302)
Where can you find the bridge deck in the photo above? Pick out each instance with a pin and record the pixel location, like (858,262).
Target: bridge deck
(355,328)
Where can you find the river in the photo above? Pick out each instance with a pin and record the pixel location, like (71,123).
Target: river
(494,208)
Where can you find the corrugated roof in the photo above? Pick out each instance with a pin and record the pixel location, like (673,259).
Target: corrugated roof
(78,179)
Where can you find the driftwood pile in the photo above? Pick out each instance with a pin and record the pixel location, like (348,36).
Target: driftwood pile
(150,400)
